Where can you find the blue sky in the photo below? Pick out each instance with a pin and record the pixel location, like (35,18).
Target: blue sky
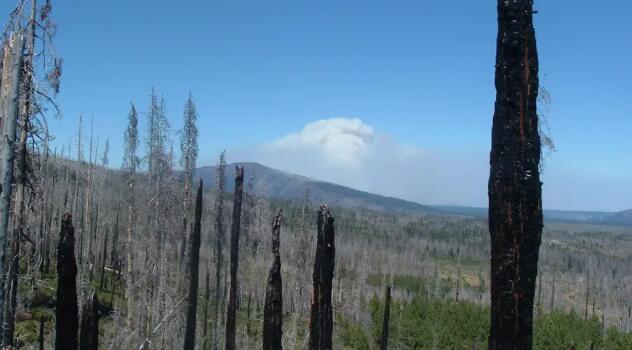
(419,74)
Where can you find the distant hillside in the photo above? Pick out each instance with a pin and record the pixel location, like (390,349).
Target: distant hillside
(275,183)
(591,217)
(623,217)
(279,184)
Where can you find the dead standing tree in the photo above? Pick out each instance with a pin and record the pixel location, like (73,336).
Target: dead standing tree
(515,210)
(89,332)
(129,165)
(231,312)
(273,308)
(189,152)
(321,317)
(219,255)
(66,310)
(9,102)
(194,266)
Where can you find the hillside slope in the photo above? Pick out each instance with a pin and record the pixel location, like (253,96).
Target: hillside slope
(275,183)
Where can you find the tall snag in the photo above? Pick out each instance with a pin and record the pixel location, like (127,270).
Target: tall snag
(89,332)
(194,265)
(189,152)
(231,312)
(273,308)
(130,163)
(66,310)
(219,255)
(515,203)
(321,316)
(12,63)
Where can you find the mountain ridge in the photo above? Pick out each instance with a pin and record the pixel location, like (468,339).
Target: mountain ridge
(275,183)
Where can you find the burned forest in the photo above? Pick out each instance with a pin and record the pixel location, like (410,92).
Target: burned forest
(156,225)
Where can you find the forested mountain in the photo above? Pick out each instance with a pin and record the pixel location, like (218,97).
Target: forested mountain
(273,183)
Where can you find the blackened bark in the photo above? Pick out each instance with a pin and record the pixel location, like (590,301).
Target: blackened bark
(231,312)
(104,260)
(273,308)
(41,333)
(515,193)
(387,313)
(321,317)
(194,263)
(89,332)
(66,311)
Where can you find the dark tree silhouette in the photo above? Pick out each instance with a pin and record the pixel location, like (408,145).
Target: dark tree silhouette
(66,310)
(231,312)
(321,317)
(273,308)
(89,332)
(515,193)
(194,265)
(387,313)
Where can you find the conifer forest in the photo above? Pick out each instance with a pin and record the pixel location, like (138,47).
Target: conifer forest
(133,239)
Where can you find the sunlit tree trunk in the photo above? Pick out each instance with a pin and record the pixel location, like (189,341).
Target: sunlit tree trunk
(515,191)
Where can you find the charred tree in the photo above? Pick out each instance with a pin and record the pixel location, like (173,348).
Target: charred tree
(321,317)
(89,331)
(273,308)
(231,311)
(515,190)
(66,310)
(194,265)
(387,314)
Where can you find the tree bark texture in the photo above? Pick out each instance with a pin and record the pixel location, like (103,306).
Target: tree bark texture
(321,317)
(12,63)
(515,201)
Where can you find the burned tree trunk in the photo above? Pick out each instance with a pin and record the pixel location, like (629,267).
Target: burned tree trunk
(387,313)
(66,310)
(194,265)
(273,308)
(321,317)
(231,312)
(515,193)
(89,332)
